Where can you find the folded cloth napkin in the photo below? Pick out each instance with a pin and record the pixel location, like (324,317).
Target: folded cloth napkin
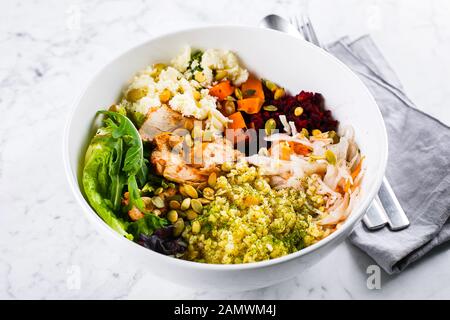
(418,165)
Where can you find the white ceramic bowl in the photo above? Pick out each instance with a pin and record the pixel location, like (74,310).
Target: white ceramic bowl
(291,62)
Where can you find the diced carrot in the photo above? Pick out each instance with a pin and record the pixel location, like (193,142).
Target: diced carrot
(254,86)
(222,90)
(250,105)
(238,121)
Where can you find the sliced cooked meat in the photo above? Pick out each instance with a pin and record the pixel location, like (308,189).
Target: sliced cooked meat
(162,119)
(176,162)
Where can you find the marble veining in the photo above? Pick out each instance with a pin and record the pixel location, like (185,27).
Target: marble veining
(50,49)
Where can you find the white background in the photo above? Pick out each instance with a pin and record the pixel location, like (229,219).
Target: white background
(50,49)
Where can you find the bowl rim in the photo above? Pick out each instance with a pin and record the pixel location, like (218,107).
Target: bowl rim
(100,224)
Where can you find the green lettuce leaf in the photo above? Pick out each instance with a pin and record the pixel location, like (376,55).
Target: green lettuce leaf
(114,159)
(147,225)
(97,182)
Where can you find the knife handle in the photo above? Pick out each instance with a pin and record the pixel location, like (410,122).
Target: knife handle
(397,217)
(375,217)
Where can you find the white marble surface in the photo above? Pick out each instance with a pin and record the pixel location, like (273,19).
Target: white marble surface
(49,49)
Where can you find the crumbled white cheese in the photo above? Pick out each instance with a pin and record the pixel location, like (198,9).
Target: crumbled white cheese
(184,89)
(217,59)
(140,81)
(169,79)
(181,62)
(187,106)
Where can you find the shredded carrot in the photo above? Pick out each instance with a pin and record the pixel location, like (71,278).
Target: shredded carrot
(347,185)
(357,170)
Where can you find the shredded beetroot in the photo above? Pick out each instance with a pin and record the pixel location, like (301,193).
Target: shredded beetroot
(314,116)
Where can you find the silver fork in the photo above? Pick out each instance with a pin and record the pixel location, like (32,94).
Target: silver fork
(385,209)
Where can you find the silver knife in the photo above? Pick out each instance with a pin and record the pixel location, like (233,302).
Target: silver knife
(397,217)
(375,217)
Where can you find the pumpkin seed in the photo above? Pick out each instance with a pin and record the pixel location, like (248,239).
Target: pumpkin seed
(178,227)
(270,126)
(159,190)
(238,93)
(229,108)
(298,111)
(305,132)
(270,85)
(331,157)
(191,214)
(270,108)
(316,132)
(196,227)
(221,74)
(279,93)
(212,179)
(208,193)
(185,204)
(157,68)
(158,202)
(174,204)
(230,98)
(204,201)
(136,94)
(333,135)
(181,189)
(190,191)
(196,205)
(314,157)
(147,203)
(172,216)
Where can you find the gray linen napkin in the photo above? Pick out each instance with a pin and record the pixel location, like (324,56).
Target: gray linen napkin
(418,166)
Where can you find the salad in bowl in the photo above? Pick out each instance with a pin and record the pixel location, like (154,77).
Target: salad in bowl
(204,160)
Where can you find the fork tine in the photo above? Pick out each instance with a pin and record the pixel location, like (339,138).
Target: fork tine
(311,29)
(294,22)
(312,32)
(305,29)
